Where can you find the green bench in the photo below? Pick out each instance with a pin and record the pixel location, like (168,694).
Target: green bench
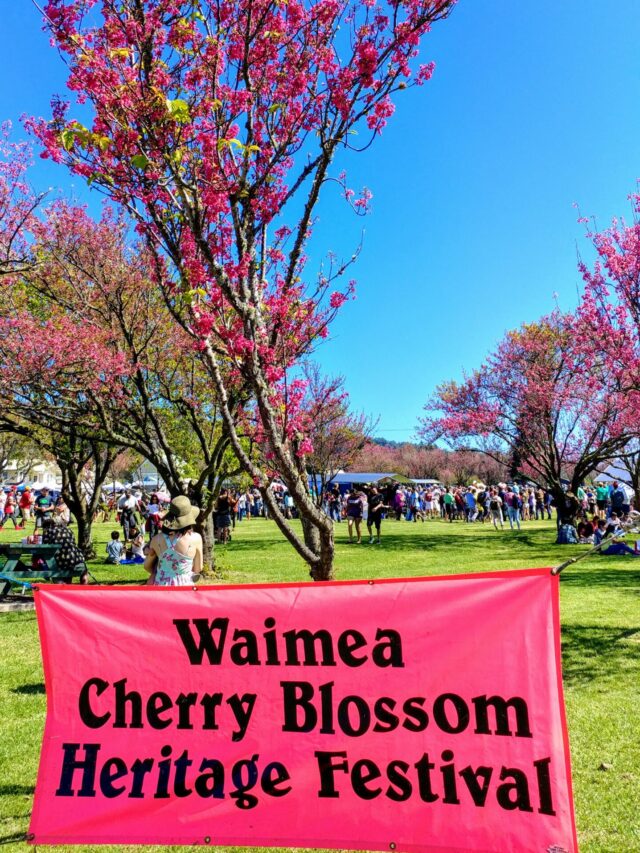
(16,566)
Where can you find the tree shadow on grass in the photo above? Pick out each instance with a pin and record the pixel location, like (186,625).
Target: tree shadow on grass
(14,838)
(593,652)
(427,541)
(29,690)
(16,790)
(600,575)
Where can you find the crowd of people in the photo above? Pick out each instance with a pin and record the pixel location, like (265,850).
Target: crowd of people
(51,518)
(586,516)
(21,506)
(498,505)
(474,503)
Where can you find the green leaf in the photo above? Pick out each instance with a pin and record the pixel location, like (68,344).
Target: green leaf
(68,138)
(140,161)
(179,110)
(100,176)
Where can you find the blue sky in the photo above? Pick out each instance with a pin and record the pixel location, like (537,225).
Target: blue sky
(533,106)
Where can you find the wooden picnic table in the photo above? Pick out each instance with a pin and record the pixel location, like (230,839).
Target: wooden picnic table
(14,567)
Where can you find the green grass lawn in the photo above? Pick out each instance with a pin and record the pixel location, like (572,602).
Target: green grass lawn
(600,608)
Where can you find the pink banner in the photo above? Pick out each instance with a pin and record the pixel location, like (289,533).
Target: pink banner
(415,715)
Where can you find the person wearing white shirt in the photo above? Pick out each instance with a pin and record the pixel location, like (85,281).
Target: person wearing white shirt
(127,506)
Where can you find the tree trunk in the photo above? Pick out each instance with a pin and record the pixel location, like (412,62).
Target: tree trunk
(85,536)
(205,529)
(319,539)
(323,570)
(311,535)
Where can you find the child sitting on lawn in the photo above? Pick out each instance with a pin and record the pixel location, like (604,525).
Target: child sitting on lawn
(114,548)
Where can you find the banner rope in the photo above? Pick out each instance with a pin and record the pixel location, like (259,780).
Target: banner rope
(631,526)
(16,581)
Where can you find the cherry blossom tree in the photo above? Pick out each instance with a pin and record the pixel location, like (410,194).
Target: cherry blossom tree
(430,463)
(216,125)
(539,395)
(375,457)
(608,317)
(90,350)
(17,202)
(336,434)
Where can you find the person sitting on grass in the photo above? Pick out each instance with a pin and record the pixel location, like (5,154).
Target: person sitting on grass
(586,533)
(68,557)
(115,548)
(616,549)
(137,543)
(600,531)
(135,551)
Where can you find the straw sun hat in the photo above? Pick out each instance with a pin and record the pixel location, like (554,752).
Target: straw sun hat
(181,514)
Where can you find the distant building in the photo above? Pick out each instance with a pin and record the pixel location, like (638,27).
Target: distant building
(37,475)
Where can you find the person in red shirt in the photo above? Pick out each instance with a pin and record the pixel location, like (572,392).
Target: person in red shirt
(25,504)
(10,510)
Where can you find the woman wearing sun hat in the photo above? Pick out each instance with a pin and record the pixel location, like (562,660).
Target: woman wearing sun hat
(175,553)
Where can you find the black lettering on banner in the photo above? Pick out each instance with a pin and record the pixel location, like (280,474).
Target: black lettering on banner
(297,695)
(477,789)
(210,701)
(164,770)
(388,648)
(242,707)
(383,710)
(127,700)
(363,715)
(87,715)
(245,800)
(449,779)
(185,702)
(273,775)
(271,642)
(514,795)
(309,640)
(363,772)
(348,643)
(544,785)
(212,647)
(501,711)
(441,718)
(157,704)
(326,705)
(69,766)
(210,781)
(400,788)
(244,649)
(424,768)
(112,770)
(327,768)
(417,718)
(139,769)
(182,763)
